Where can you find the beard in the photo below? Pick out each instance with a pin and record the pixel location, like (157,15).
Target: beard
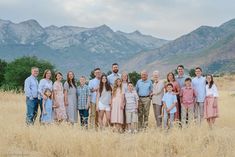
(115,71)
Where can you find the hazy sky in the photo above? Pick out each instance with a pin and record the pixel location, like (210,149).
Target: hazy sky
(161,18)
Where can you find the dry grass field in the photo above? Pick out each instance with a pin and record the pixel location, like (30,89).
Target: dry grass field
(62,141)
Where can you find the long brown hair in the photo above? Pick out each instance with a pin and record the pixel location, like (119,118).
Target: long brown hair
(72,82)
(170,73)
(107,85)
(115,87)
(212,81)
(45,72)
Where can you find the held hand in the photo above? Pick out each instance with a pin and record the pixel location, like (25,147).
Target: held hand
(168,110)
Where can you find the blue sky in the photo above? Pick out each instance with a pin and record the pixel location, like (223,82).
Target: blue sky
(166,19)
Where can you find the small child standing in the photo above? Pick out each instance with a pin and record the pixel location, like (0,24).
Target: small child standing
(211,102)
(187,99)
(83,93)
(47,107)
(131,101)
(169,105)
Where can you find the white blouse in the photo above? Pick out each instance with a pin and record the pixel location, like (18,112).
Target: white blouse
(212,91)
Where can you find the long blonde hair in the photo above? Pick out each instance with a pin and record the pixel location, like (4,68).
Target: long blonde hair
(115,86)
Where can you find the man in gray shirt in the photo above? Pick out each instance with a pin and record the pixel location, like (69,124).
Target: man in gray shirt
(31,93)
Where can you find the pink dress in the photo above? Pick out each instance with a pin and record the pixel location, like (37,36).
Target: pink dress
(117,112)
(60,111)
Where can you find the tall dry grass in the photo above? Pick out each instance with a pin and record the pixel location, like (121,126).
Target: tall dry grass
(61,141)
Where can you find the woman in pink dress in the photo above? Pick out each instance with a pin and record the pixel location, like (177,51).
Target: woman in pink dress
(211,102)
(176,91)
(58,92)
(117,105)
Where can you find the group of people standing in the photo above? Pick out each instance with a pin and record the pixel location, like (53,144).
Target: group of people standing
(114,101)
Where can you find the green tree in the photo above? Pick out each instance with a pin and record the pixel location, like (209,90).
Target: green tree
(92,75)
(18,70)
(3,65)
(192,73)
(109,72)
(134,77)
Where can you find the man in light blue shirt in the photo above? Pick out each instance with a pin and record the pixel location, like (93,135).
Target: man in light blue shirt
(31,93)
(180,78)
(112,77)
(94,87)
(199,84)
(144,88)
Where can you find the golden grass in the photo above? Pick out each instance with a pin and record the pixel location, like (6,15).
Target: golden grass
(59,141)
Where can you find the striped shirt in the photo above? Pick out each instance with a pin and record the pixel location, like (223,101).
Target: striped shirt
(131,101)
(83,94)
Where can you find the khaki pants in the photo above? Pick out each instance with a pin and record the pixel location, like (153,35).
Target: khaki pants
(184,112)
(199,111)
(157,113)
(93,116)
(143,112)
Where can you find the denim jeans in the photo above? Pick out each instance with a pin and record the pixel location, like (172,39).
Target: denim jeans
(168,119)
(31,110)
(84,114)
(40,105)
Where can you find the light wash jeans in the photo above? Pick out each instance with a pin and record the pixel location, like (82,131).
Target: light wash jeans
(31,110)
(168,119)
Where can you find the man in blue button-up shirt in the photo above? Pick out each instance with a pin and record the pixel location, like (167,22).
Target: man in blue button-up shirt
(199,84)
(31,93)
(144,88)
(112,77)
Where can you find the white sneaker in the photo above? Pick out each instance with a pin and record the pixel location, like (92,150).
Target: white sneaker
(135,131)
(129,131)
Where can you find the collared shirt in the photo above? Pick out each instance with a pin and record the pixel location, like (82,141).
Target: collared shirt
(199,84)
(43,85)
(112,77)
(94,83)
(31,87)
(83,94)
(188,95)
(144,88)
(181,80)
(131,101)
(212,91)
(169,98)
(158,92)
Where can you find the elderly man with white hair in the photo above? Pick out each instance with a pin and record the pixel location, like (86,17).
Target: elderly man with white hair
(158,92)
(144,89)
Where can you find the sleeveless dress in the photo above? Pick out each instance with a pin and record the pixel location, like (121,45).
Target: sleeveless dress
(117,112)
(60,112)
(47,118)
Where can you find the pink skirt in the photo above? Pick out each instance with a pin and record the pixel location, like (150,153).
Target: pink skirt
(211,108)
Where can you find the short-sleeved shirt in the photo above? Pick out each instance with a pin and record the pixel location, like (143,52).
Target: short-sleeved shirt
(94,83)
(131,101)
(112,77)
(83,94)
(188,95)
(105,97)
(199,84)
(144,88)
(169,98)
(212,91)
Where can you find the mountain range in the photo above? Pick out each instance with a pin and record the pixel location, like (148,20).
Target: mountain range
(82,49)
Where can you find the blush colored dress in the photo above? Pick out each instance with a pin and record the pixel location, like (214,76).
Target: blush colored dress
(60,111)
(117,112)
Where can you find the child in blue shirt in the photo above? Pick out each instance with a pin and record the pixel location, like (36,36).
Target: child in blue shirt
(169,106)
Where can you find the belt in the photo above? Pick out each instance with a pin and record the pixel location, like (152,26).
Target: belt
(144,96)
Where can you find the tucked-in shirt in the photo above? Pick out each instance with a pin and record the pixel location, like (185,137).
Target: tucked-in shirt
(169,98)
(199,84)
(105,97)
(158,92)
(188,95)
(112,77)
(144,88)
(131,101)
(94,83)
(181,80)
(43,85)
(31,87)
(83,94)
(212,91)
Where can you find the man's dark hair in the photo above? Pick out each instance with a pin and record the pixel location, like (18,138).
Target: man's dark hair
(180,66)
(130,83)
(198,68)
(96,69)
(169,84)
(114,64)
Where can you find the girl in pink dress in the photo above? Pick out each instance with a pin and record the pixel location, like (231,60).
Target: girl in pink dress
(211,102)
(58,91)
(117,105)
